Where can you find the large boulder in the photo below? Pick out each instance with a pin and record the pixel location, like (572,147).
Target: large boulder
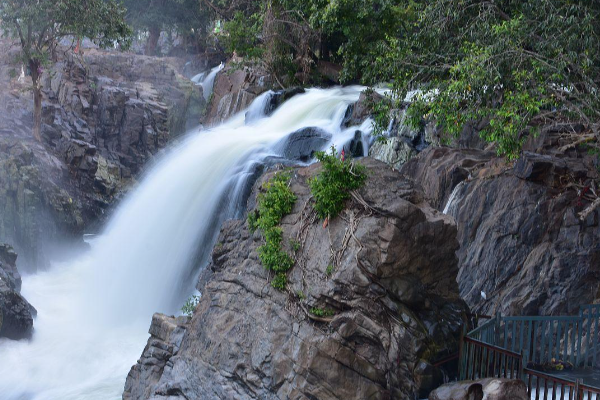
(233,91)
(370,305)
(489,389)
(524,249)
(16,314)
(302,144)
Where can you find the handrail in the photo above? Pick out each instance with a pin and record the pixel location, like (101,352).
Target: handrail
(505,346)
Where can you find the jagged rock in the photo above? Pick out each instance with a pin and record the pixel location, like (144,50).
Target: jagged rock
(358,112)
(522,243)
(103,118)
(9,274)
(166,334)
(439,169)
(302,145)
(393,151)
(392,296)
(281,97)
(489,389)
(233,91)
(16,314)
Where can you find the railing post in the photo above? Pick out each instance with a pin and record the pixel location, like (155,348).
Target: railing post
(577,390)
(460,351)
(522,366)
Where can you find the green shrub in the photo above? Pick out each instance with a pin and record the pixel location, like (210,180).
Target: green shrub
(331,188)
(320,312)
(329,270)
(190,305)
(272,205)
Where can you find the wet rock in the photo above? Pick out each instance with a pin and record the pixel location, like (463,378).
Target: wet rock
(391,302)
(16,314)
(302,145)
(166,335)
(103,118)
(393,151)
(281,97)
(440,169)
(522,243)
(234,90)
(490,389)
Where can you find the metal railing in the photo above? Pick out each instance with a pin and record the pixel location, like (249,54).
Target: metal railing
(517,347)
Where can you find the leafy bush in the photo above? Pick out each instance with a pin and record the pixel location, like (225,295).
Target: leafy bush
(331,188)
(272,205)
(190,305)
(320,312)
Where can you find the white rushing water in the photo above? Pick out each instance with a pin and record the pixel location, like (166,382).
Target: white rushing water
(207,80)
(94,311)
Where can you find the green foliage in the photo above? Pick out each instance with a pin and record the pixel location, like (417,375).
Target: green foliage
(273,204)
(331,187)
(295,245)
(329,270)
(241,35)
(190,305)
(40,24)
(320,312)
(301,295)
(516,66)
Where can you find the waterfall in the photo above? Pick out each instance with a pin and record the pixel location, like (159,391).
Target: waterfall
(453,197)
(207,80)
(94,311)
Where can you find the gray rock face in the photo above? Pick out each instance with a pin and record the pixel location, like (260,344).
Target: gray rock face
(390,301)
(16,314)
(104,117)
(233,91)
(522,243)
(303,144)
(166,334)
(490,389)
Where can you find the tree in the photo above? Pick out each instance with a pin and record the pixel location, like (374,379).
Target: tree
(187,17)
(40,24)
(517,66)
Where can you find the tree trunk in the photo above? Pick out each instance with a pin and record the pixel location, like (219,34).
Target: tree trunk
(152,42)
(34,66)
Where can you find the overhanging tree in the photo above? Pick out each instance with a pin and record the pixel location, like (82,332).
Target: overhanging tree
(519,66)
(39,24)
(187,17)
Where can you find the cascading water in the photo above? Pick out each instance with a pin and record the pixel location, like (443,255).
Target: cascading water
(207,80)
(94,312)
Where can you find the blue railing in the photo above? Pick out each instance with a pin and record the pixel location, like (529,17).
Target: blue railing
(517,347)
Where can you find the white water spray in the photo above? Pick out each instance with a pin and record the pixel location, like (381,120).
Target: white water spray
(207,80)
(94,312)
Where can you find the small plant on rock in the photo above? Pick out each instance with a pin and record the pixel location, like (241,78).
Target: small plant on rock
(272,205)
(190,305)
(332,186)
(320,312)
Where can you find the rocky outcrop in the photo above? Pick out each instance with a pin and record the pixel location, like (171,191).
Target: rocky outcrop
(489,389)
(523,248)
(166,335)
(234,90)
(105,114)
(16,314)
(371,303)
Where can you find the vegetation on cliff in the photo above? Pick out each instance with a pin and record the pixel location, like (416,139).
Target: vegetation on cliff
(40,25)
(331,187)
(273,204)
(516,66)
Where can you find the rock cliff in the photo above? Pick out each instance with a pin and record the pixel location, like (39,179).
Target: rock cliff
(371,302)
(16,314)
(105,114)
(523,248)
